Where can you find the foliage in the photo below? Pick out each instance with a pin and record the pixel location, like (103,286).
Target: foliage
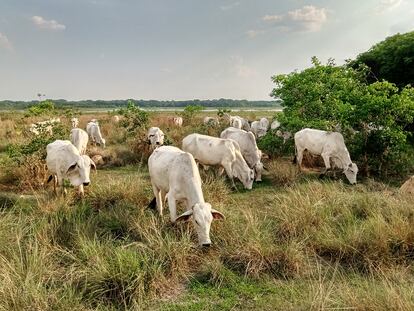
(373,118)
(391,60)
(46,107)
(222,111)
(190,111)
(135,119)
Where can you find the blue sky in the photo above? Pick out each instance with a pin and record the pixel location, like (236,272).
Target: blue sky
(179,49)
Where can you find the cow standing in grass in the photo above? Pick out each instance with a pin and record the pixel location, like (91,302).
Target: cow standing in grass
(175,176)
(210,150)
(79,139)
(330,146)
(248,148)
(93,130)
(65,162)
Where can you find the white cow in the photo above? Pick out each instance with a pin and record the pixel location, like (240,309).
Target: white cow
(175,121)
(275,124)
(155,137)
(116,119)
(75,122)
(93,130)
(236,123)
(174,174)
(284,134)
(178,121)
(65,162)
(79,139)
(258,129)
(329,145)
(210,150)
(211,121)
(248,148)
(44,126)
(264,123)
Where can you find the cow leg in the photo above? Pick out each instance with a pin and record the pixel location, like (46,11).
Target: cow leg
(299,157)
(55,184)
(80,190)
(158,198)
(327,162)
(229,172)
(172,206)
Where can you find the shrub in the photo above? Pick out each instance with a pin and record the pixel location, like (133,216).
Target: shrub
(135,119)
(190,111)
(46,107)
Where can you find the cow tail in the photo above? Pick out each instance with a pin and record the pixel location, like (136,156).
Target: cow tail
(295,159)
(152,204)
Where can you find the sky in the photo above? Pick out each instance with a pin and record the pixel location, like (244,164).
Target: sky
(179,49)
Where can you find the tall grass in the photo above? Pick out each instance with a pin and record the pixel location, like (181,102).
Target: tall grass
(292,243)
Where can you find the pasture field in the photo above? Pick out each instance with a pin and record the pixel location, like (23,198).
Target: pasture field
(293,242)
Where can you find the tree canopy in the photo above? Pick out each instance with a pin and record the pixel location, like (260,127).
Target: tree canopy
(391,60)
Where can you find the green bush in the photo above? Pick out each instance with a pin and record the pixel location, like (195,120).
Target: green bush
(135,119)
(190,111)
(46,107)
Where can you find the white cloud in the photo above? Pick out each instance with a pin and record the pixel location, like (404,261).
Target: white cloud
(387,5)
(254,33)
(5,42)
(273,18)
(308,18)
(42,23)
(229,6)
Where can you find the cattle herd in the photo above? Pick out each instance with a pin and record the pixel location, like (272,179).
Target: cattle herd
(174,172)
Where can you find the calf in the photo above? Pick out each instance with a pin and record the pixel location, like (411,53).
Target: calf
(79,139)
(210,150)
(329,145)
(65,162)
(248,148)
(174,174)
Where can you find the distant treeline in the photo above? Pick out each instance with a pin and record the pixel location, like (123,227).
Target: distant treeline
(224,103)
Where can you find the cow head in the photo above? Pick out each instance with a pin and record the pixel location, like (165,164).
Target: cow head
(202,215)
(78,173)
(351,172)
(155,137)
(75,122)
(103,142)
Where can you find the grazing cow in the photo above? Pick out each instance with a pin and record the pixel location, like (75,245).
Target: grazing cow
(257,129)
(75,122)
(44,127)
(275,124)
(284,134)
(155,137)
(210,150)
(79,139)
(248,148)
(264,122)
(329,145)
(65,162)
(174,174)
(93,130)
(211,121)
(236,123)
(116,119)
(175,121)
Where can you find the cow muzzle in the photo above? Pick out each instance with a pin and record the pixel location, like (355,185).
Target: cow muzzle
(86,183)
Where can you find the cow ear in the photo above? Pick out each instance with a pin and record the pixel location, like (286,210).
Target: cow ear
(217,214)
(184,216)
(72,167)
(93,165)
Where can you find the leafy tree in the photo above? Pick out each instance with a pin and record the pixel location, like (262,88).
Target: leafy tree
(190,111)
(391,60)
(46,107)
(135,119)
